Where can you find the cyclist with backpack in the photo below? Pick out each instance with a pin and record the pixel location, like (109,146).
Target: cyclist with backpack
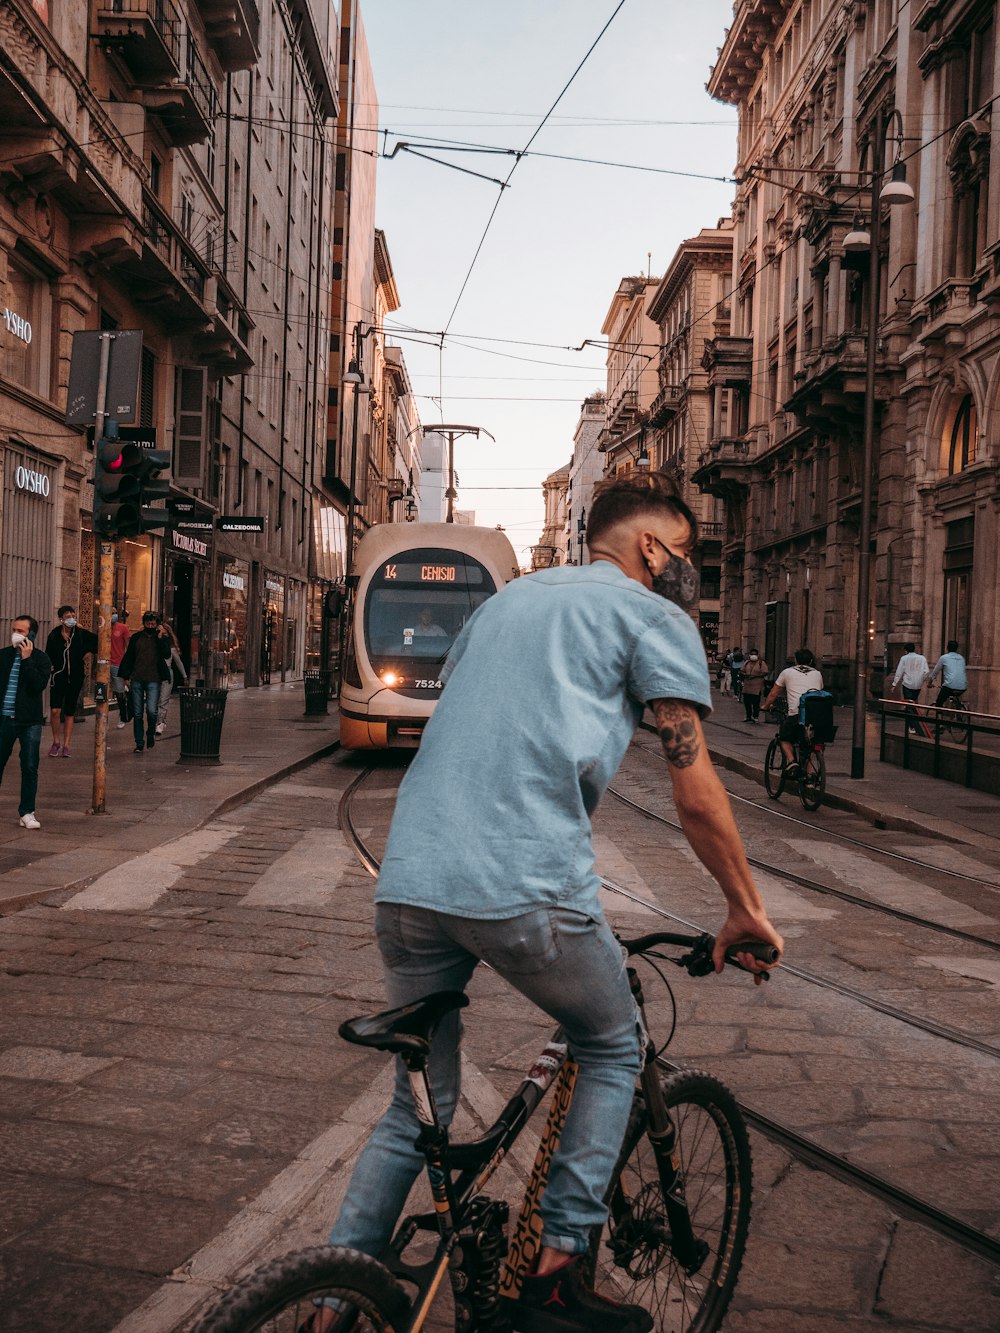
(793,682)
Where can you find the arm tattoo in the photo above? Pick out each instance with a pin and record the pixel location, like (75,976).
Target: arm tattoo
(677,723)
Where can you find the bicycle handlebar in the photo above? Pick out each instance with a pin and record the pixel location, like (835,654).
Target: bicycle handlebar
(699,960)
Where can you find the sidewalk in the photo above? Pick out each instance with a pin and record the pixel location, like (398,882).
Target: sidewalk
(896,797)
(151,798)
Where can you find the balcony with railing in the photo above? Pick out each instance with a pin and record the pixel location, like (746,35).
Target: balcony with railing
(724,467)
(188,106)
(171,275)
(622,411)
(728,360)
(145,35)
(666,404)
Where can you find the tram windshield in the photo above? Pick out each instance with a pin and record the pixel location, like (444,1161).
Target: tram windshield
(418,601)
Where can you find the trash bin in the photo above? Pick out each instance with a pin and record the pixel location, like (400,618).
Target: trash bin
(202,713)
(317,687)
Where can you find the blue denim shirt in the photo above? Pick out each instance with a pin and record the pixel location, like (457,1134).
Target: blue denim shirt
(546,685)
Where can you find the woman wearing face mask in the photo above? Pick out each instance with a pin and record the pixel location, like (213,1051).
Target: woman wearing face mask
(120,635)
(66,648)
(754,671)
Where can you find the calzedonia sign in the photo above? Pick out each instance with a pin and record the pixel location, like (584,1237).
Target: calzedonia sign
(229,523)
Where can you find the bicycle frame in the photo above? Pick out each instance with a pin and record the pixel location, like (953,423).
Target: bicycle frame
(475,1163)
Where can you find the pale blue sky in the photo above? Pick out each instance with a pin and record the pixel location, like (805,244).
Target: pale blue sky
(565,233)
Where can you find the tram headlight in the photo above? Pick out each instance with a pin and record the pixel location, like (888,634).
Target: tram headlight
(391,678)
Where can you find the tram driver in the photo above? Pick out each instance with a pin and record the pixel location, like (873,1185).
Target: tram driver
(425,626)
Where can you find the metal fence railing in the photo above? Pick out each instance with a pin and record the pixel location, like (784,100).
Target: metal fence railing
(955,744)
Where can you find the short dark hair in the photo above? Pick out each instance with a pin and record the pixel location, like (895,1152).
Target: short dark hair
(32,622)
(63,609)
(804,657)
(953,645)
(152,615)
(909,647)
(623,498)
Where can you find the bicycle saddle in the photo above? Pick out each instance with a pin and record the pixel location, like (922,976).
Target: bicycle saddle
(406,1031)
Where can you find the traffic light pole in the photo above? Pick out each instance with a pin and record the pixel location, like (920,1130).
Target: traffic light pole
(106,579)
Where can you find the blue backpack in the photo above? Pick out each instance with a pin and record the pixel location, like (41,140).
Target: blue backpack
(816,711)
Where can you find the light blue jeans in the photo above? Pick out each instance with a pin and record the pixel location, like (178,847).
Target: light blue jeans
(571,966)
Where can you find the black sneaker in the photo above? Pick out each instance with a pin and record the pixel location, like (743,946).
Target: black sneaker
(139,748)
(560,1302)
(150,741)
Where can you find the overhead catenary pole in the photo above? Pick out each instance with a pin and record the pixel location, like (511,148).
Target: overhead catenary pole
(862,639)
(106,579)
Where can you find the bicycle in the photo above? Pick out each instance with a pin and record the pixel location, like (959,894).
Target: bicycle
(811,776)
(954,717)
(679,1201)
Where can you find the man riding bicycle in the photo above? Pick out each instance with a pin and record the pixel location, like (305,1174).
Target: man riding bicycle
(950,666)
(490,858)
(793,682)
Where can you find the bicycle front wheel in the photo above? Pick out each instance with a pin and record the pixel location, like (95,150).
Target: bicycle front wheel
(812,782)
(634,1258)
(956,722)
(282,1295)
(774,770)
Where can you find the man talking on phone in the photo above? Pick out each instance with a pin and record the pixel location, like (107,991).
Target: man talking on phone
(24,675)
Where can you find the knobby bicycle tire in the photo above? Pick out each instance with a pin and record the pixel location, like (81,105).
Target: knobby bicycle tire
(774,769)
(631,1259)
(279,1297)
(812,783)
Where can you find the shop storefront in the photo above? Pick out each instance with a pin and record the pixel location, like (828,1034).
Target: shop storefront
(328,571)
(230,623)
(272,631)
(28,536)
(185,598)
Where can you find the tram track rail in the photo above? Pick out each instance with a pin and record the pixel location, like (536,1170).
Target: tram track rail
(771,809)
(806,1150)
(829,890)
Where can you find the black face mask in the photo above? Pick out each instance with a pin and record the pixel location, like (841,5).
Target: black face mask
(150,629)
(678,581)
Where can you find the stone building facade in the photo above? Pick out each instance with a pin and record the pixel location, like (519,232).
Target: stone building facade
(690,307)
(150,181)
(586,469)
(633,340)
(551,547)
(814,83)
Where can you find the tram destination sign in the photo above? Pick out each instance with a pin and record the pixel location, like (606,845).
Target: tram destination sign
(432,572)
(239,523)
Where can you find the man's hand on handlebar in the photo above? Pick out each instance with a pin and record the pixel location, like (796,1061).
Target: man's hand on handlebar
(746,928)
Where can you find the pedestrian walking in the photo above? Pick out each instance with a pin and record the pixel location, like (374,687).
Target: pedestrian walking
(911,673)
(144,669)
(175,665)
(120,635)
(66,648)
(737,660)
(754,671)
(726,674)
(24,674)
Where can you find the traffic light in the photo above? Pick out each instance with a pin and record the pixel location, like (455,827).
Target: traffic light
(116,491)
(126,481)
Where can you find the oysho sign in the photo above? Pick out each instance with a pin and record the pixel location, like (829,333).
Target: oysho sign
(17,325)
(35,483)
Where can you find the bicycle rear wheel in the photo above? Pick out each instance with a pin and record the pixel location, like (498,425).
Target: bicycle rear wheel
(774,770)
(812,781)
(282,1295)
(955,723)
(633,1258)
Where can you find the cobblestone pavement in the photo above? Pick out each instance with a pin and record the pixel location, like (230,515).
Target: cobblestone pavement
(177,1105)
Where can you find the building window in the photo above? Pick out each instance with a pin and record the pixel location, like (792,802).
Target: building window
(26,328)
(963,436)
(958,555)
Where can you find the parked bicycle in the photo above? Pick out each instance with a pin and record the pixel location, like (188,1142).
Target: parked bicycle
(679,1202)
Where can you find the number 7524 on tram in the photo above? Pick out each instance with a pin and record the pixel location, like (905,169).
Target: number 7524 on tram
(417,586)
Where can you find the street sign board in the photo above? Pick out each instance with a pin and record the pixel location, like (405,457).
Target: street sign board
(193,524)
(143,436)
(236,523)
(122,398)
(182,507)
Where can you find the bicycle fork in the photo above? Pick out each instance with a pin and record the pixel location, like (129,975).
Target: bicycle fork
(687,1249)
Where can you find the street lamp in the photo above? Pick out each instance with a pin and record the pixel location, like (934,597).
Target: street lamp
(894,191)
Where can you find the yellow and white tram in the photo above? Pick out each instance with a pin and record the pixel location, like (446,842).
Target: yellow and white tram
(417,585)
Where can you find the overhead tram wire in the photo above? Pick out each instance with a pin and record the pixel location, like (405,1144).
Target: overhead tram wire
(489,222)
